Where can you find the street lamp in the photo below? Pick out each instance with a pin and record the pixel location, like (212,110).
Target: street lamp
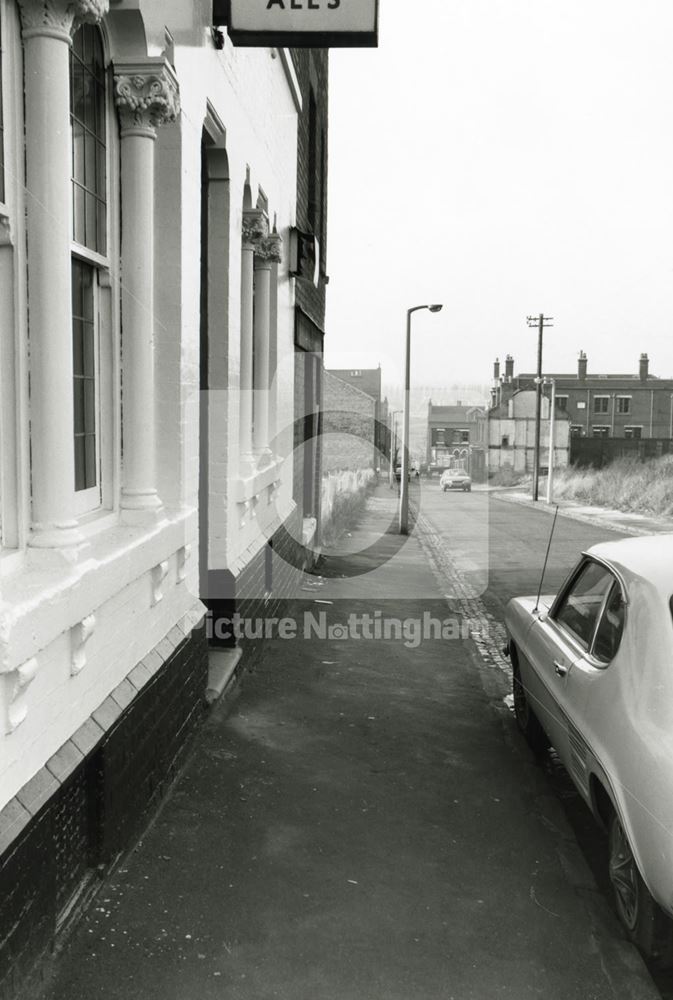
(552,416)
(404,483)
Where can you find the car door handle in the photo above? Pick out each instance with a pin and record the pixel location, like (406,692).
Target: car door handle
(560,668)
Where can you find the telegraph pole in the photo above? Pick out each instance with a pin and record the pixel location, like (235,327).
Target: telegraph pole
(541,322)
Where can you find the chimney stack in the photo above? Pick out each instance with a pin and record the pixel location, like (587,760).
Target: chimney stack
(582,365)
(509,367)
(496,370)
(644,367)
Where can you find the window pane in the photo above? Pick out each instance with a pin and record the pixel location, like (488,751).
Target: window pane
(87,111)
(79,231)
(80,478)
(84,375)
(91,477)
(609,632)
(581,605)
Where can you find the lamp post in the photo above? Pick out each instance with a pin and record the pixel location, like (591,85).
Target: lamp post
(404,484)
(552,421)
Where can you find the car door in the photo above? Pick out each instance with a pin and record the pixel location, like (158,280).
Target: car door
(595,688)
(580,621)
(556,642)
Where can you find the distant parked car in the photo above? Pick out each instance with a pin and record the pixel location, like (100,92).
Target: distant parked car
(593,676)
(413,471)
(455,479)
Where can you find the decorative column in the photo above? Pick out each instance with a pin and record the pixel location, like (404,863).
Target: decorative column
(267,252)
(255,228)
(146,94)
(48,26)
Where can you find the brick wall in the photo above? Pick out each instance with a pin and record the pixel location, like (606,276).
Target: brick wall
(311,66)
(348,426)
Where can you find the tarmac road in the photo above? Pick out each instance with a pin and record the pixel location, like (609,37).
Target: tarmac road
(508,543)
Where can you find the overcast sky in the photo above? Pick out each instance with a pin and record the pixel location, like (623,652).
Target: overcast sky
(504,157)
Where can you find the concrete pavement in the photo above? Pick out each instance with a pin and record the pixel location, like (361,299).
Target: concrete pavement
(358,821)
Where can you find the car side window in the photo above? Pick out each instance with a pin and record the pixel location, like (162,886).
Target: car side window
(610,627)
(581,605)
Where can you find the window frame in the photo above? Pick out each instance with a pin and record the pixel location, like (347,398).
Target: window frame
(588,652)
(14,407)
(561,402)
(601,399)
(103,497)
(618,403)
(634,427)
(600,427)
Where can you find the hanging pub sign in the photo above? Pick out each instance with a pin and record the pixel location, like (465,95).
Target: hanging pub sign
(299,23)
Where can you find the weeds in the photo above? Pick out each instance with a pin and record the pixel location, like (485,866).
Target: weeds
(626,484)
(344,496)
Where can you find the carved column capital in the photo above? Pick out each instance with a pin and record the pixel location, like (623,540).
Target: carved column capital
(255,227)
(270,249)
(146,95)
(59,18)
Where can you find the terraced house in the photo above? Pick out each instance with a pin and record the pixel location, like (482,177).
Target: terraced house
(161,193)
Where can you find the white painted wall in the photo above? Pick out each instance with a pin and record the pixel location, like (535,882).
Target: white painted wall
(112,585)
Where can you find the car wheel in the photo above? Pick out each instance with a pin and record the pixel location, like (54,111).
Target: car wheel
(526,719)
(647,924)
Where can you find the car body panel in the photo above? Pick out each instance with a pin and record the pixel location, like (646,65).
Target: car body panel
(613,722)
(455,479)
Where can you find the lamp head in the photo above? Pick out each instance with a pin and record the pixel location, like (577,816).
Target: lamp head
(435,308)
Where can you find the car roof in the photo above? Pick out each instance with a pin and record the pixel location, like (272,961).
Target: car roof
(648,557)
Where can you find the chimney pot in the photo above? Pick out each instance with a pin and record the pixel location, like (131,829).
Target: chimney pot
(496,370)
(644,367)
(509,367)
(582,365)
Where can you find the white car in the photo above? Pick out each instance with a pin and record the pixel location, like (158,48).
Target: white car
(593,676)
(455,479)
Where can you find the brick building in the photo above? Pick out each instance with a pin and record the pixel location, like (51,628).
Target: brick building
(451,434)
(349,426)
(153,179)
(368,380)
(506,433)
(635,405)
(311,66)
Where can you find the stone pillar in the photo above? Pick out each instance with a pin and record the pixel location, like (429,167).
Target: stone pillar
(48,26)
(146,94)
(267,252)
(255,228)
